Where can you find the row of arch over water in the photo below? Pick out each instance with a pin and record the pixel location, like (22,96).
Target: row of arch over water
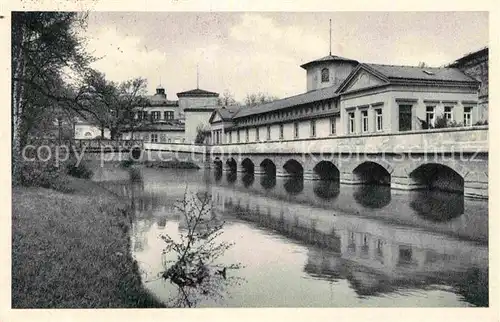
(429,176)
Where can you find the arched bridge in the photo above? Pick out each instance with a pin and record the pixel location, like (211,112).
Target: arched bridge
(453,159)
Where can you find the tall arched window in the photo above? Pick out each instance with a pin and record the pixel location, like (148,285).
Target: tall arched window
(325,75)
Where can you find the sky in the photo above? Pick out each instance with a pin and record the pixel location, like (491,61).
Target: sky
(262,52)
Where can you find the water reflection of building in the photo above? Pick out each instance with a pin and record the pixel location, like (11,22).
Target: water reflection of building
(374,257)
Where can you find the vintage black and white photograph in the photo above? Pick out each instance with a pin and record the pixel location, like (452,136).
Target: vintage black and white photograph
(249,159)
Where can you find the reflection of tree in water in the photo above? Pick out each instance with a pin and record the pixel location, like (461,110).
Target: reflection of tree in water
(373,196)
(195,270)
(294,186)
(437,206)
(326,189)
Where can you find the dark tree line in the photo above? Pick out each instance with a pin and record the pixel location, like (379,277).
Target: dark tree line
(52,79)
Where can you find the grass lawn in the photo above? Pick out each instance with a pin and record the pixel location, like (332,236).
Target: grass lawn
(71,250)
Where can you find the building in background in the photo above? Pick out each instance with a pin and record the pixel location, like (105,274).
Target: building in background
(345,97)
(162,120)
(476,65)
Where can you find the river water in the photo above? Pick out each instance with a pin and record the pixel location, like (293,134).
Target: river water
(315,243)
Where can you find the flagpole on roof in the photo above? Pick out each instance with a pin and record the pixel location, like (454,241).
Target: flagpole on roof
(330,37)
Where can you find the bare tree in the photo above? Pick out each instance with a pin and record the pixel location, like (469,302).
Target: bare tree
(195,270)
(255,99)
(227,99)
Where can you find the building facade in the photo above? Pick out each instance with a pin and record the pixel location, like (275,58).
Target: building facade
(161,120)
(349,98)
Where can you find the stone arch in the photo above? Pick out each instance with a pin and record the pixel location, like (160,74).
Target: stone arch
(437,176)
(268,167)
(326,170)
(293,168)
(370,172)
(247,166)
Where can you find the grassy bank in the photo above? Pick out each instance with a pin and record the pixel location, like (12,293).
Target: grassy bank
(71,250)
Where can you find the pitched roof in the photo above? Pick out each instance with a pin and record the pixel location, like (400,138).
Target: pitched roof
(328,58)
(226,113)
(197,93)
(421,73)
(305,98)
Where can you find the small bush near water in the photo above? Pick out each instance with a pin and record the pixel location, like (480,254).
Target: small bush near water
(49,174)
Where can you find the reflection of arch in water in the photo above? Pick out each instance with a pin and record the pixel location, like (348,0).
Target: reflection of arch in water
(247,179)
(373,197)
(436,176)
(231,177)
(268,182)
(217,164)
(294,185)
(326,170)
(247,166)
(268,167)
(370,172)
(437,206)
(231,164)
(217,174)
(293,168)
(326,189)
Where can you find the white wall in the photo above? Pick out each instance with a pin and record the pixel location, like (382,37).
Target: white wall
(193,120)
(88,131)
(338,73)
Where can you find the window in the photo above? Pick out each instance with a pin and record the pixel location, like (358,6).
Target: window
(379,120)
(169,140)
(281,131)
(268,133)
(296,130)
(257,134)
(325,75)
(467,116)
(405,117)
(230,137)
(154,137)
(313,128)
(333,129)
(155,115)
(247,135)
(352,124)
(448,113)
(238,136)
(168,115)
(364,121)
(429,115)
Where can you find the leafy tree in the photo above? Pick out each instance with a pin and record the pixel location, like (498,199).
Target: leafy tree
(113,104)
(201,134)
(255,99)
(45,46)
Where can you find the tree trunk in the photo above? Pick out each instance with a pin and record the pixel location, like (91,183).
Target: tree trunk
(18,70)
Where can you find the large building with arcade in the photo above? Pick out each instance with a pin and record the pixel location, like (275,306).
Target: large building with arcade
(345,97)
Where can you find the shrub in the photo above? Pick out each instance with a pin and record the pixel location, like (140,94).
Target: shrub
(78,170)
(126,163)
(485,122)
(43,174)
